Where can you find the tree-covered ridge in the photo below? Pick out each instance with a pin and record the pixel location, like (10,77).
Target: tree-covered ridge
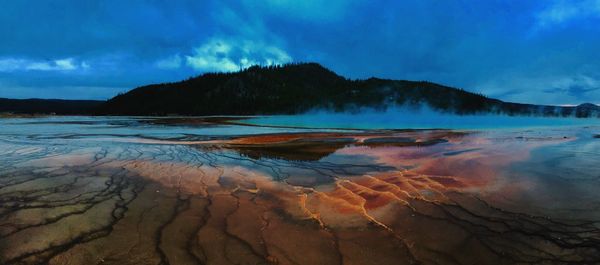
(297,88)
(287,89)
(49,106)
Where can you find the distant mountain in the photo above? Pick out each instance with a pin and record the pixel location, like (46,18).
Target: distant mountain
(49,106)
(297,88)
(586,110)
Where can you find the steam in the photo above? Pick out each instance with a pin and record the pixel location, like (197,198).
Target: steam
(413,117)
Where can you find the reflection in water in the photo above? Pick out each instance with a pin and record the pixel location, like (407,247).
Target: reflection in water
(147,193)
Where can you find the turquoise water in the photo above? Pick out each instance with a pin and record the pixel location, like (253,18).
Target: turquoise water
(410,119)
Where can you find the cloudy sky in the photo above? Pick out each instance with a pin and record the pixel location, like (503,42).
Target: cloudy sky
(525,51)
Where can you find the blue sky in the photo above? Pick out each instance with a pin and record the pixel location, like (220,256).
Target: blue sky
(545,51)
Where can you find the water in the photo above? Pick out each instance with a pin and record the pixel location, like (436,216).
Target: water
(140,127)
(403,118)
(142,190)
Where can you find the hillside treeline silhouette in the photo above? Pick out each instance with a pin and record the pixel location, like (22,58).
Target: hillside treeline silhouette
(301,87)
(49,106)
(287,89)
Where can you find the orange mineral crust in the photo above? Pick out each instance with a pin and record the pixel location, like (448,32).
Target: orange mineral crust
(378,197)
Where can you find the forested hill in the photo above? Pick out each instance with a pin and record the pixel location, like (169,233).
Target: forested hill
(49,106)
(297,88)
(288,89)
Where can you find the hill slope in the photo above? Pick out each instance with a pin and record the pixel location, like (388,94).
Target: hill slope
(47,106)
(296,88)
(286,89)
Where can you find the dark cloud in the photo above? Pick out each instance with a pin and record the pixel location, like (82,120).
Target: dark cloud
(580,88)
(515,50)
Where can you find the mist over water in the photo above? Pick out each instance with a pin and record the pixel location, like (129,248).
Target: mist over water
(414,118)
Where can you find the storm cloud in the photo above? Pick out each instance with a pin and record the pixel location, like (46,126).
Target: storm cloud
(525,51)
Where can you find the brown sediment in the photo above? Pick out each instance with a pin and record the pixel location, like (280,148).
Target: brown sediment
(390,137)
(389,199)
(293,150)
(315,146)
(193,121)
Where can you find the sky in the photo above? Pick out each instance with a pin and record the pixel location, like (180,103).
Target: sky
(543,52)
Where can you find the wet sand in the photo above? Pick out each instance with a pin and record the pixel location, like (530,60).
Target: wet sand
(313,197)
